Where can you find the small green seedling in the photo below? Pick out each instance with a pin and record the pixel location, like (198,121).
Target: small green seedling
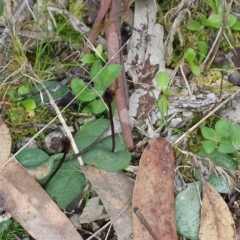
(163,80)
(222,144)
(90,58)
(90,97)
(220,137)
(225,138)
(190,56)
(215,19)
(29,104)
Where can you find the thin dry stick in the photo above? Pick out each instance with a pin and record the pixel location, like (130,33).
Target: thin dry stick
(203,119)
(119,87)
(185,80)
(59,115)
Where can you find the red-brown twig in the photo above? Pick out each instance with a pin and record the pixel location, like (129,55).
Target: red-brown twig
(119,87)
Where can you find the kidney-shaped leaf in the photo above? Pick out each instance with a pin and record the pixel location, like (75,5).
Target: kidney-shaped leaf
(221,159)
(90,132)
(187,211)
(218,182)
(32,157)
(58,93)
(67,183)
(102,157)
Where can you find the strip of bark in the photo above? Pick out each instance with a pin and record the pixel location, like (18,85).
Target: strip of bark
(105,4)
(119,87)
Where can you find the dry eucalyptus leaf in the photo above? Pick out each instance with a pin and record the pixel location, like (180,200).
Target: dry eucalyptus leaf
(93,211)
(31,206)
(216,220)
(5,142)
(153,193)
(115,191)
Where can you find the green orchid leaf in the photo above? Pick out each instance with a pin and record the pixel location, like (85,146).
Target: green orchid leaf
(90,132)
(212,4)
(187,211)
(190,55)
(208,133)
(162,80)
(32,157)
(88,58)
(59,93)
(214,20)
(220,159)
(203,19)
(203,50)
(29,104)
(101,156)
(231,20)
(163,105)
(81,90)
(235,137)
(97,106)
(209,146)
(195,69)
(23,90)
(236,26)
(194,25)
(95,69)
(99,51)
(222,128)
(68,182)
(226,147)
(106,77)
(218,182)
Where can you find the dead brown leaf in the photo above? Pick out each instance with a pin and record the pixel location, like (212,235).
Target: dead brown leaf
(115,191)
(216,220)
(153,193)
(5,142)
(31,206)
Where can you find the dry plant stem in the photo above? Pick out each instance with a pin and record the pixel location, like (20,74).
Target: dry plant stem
(105,4)
(185,80)
(34,34)
(68,133)
(203,119)
(211,54)
(119,87)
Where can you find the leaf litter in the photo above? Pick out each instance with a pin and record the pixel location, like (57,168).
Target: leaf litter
(152,193)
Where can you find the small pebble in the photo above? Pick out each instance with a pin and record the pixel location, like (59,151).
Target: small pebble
(53,142)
